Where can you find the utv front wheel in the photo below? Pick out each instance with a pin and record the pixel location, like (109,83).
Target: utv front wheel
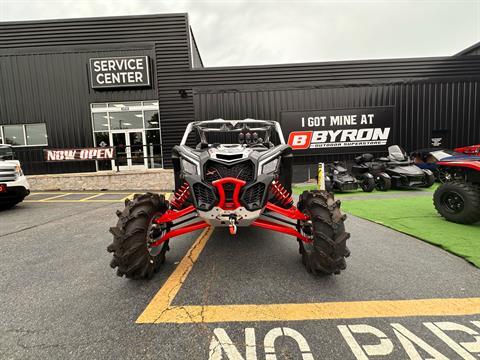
(131,255)
(327,253)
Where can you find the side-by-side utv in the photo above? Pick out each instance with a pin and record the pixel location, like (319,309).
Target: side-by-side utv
(236,174)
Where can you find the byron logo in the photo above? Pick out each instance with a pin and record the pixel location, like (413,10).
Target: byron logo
(299,140)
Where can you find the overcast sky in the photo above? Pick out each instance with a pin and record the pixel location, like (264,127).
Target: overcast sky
(248,32)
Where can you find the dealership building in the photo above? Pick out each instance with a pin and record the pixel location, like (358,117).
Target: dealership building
(135,82)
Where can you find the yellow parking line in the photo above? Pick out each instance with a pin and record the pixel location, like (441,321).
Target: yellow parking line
(90,197)
(81,192)
(54,197)
(161,310)
(129,196)
(314,311)
(105,201)
(162,300)
(77,201)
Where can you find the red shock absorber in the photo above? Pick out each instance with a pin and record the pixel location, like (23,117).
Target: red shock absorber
(281,194)
(180,196)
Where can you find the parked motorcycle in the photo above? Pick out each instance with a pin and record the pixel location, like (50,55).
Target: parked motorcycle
(338,178)
(396,170)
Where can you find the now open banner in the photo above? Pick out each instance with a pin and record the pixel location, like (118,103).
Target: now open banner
(101,153)
(311,132)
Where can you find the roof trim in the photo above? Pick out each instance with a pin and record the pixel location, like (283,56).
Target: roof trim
(362,62)
(94,18)
(194,44)
(468,49)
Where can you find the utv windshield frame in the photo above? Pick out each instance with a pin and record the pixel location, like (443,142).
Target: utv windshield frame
(202,127)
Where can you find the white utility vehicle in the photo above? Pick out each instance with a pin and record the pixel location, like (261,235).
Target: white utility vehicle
(13,183)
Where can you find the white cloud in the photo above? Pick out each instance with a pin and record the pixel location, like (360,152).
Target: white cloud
(241,32)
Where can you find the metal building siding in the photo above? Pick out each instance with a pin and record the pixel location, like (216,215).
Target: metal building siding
(340,71)
(58,52)
(419,107)
(54,89)
(93,31)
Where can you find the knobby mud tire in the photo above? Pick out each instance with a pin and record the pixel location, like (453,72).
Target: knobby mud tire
(470,195)
(130,252)
(327,253)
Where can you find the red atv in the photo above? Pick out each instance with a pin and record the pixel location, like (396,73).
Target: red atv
(458,199)
(239,174)
(469,150)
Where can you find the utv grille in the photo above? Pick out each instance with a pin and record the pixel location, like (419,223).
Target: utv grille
(204,196)
(244,170)
(253,196)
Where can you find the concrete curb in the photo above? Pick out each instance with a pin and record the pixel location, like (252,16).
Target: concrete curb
(154,179)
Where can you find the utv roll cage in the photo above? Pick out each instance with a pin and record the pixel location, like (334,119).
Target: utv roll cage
(203,128)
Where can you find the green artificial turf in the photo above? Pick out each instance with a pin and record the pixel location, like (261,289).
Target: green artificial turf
(416,216)
(297,189)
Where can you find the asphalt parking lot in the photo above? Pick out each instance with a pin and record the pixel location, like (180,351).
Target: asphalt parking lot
(222,297)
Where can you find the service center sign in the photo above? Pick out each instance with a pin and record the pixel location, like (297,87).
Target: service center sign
(115,72)
(102,153)
(337,131)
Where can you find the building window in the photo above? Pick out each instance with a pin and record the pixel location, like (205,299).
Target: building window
(126,120)
(24,135)
(133,128)
(13,135)
(36,134)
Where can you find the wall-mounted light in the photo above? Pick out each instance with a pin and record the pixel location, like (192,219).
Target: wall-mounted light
(183,93)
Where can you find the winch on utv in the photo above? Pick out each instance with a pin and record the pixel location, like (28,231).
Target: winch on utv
(239,174)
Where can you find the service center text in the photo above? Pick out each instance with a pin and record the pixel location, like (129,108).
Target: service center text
(112,72)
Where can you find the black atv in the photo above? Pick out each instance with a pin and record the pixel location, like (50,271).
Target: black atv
(338,178)
(396,170)
(458,199)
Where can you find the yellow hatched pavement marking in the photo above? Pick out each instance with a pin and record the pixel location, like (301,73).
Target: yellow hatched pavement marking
(54,197)
(130,196)
(161,310)
(90,197)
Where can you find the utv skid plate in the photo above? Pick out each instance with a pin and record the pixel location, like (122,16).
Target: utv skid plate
(271,210)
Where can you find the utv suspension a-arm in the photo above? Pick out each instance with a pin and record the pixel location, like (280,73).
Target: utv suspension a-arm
(282,225)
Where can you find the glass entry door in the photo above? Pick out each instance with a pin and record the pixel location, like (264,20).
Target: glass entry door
(137,155)
(130,149)
(134,128)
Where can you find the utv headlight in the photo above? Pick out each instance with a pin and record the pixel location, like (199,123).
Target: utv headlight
(270,167)
(189,168)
